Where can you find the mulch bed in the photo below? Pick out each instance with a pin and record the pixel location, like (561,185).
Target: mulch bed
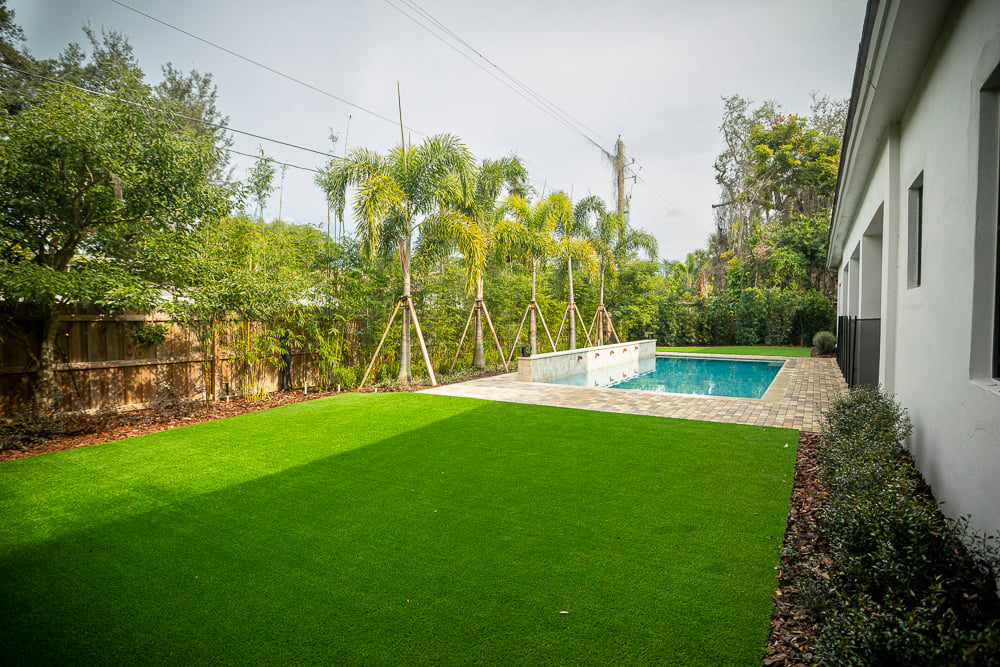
(105,426)
(791,631)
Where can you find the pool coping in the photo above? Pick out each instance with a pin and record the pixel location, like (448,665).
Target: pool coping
(808,387)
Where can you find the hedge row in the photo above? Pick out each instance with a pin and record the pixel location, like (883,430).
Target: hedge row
(909,586)
(768,316)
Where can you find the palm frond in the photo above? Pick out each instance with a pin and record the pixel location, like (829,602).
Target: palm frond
(374,200)
(579,250)
(452,228)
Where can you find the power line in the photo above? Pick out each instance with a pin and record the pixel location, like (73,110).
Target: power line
(529,94)
(172,113)
(266,67)
(516,85)
(283,164)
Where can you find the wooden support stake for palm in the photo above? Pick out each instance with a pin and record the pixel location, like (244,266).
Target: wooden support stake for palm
(613,332)
(420,339)
(378,348)
(602,312)
(461,341)
(477,306)
(584,325)
(532,306)
(571,308)
(496,339)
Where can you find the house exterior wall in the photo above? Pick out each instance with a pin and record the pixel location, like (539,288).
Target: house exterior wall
(937,337)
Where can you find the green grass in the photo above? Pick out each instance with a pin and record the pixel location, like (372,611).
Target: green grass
(399,528)
(760,350)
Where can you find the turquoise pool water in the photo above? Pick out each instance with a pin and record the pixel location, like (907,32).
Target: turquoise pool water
(741,378)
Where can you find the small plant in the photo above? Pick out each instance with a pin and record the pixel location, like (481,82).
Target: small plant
(147,333)
(824,342)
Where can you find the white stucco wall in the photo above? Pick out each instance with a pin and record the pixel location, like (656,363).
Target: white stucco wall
(934,335)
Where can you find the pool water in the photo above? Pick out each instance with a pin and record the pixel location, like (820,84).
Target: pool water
(741,378)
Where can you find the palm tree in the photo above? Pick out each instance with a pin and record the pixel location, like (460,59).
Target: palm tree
(572,225)
(481,206)
(526,230)
(616,243)
(395,195)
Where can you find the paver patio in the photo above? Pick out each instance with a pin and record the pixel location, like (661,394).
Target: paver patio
(802,391)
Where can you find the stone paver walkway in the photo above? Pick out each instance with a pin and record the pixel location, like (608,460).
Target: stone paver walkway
(809,386)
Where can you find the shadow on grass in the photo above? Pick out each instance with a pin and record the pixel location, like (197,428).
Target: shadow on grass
(458,538)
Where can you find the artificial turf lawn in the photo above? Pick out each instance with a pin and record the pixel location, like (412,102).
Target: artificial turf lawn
(760,350)
(399,528)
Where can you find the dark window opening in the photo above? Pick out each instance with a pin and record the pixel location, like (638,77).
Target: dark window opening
(915,233)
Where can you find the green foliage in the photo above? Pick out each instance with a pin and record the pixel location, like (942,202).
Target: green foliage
(92,186)
(896,596)
(147,333)
(746,317)
(824,342)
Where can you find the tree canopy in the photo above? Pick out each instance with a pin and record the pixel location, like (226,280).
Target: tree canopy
(89,183)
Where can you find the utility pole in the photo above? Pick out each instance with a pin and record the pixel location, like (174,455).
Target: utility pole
(620,174)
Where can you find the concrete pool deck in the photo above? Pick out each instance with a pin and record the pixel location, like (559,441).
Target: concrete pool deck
(804,388)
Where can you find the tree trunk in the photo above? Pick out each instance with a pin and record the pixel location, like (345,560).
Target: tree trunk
(571,308)
(600,317)
(478,354)
(532,322)
(45,390)
(213,363)
(404,375)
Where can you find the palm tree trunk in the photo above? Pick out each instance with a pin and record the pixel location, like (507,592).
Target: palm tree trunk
(532,322)
(600,307)
(478,355)
(404,375)
(571,308)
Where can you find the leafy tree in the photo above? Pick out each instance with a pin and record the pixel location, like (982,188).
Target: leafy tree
(828,115)
(794,166)
(256,275)
(409,190)
(735,169)
(194,96)
(89,183)
(12,55)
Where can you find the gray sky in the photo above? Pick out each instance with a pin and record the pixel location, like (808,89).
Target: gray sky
(651,71)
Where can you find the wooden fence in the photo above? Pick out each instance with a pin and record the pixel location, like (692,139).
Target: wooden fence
(100,364)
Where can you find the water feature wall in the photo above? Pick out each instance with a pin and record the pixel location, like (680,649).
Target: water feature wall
(553,365)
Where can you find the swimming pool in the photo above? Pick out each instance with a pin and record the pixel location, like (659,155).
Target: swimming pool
(702,376)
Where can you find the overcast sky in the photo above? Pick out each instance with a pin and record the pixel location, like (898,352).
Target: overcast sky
(651,71)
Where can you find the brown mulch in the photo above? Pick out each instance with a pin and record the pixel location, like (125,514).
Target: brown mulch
(105,426)
(791,630)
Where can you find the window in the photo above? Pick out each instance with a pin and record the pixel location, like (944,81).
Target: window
(915,232)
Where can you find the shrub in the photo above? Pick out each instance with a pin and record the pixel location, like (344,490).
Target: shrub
(811,312)
(895,596)
(824,342)
(864,631)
